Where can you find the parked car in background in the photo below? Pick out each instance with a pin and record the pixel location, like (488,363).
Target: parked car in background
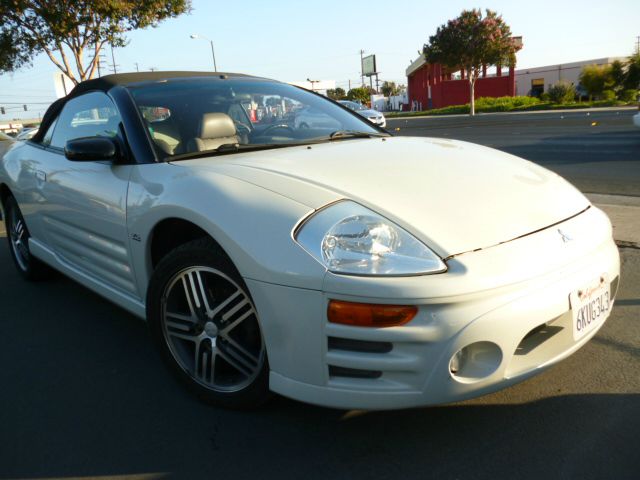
(636,118)
(309,117)
(372,115)
(26,134)
(330,262)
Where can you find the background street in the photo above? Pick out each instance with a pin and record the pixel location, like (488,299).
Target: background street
(84,393)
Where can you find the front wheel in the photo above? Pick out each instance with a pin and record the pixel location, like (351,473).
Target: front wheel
(206,327)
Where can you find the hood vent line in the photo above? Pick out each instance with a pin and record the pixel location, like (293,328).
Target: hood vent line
(518,237)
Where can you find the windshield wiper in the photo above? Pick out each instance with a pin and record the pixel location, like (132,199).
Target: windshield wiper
(339,134)
(228,148)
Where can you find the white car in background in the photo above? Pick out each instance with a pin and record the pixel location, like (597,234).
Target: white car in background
(372,115)
(26,134)
(334,264)
(309,117)
(636,118)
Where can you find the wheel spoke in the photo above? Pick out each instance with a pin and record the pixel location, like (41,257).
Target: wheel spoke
(200,361)
(203,293)
(180,321)
(254,360)
(239,365)
(189,290)
(224,304)
(236,322)
(183,336)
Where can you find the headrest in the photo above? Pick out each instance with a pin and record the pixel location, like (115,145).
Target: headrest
(216,125)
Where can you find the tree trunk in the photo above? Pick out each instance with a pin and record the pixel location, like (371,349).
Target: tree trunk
(472,100)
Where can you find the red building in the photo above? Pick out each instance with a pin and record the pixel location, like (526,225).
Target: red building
(430,86)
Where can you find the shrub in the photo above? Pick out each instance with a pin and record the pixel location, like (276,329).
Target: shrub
(562,92)
(629,95)
(504,104)
(608,95)
(544,97)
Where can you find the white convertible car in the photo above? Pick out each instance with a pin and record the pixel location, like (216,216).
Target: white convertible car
(342,267)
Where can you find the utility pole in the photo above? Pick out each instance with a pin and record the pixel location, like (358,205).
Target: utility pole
(638,44)
(361,67)
(136,64)
(99,62)
(113,60)
(349,84)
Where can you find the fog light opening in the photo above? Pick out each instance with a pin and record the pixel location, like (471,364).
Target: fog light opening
(475,362)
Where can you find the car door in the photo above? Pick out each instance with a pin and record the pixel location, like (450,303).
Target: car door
(83,213)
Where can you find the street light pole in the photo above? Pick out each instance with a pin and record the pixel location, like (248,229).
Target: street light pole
(213,53)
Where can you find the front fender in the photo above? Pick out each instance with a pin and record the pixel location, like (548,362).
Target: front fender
(252,224)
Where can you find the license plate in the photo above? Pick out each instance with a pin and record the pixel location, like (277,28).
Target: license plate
(590,306)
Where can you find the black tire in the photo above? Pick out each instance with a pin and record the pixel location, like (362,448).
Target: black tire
(18,235)
(220,356)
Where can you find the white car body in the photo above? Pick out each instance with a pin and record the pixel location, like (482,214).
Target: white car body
(636,119)
(518,241)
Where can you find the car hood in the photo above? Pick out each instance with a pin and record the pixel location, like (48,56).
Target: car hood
(454,196)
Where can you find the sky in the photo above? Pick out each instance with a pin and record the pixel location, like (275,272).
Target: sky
(292,40)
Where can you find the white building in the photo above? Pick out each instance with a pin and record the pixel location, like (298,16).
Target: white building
(318,86)
(534,81)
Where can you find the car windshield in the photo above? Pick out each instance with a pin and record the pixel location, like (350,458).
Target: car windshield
(213,114)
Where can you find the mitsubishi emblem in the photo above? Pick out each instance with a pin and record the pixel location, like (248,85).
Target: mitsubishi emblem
(565,238)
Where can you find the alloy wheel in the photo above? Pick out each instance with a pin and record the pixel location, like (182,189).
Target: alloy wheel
(211,328)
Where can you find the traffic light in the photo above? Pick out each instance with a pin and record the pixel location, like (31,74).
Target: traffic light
(2,110)
(25,107)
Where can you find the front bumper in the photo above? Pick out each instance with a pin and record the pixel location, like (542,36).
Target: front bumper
(483,298)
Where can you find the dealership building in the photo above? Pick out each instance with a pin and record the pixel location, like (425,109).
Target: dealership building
(431,86)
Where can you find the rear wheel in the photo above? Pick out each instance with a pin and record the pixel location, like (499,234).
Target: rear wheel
(18,235)
(204,322)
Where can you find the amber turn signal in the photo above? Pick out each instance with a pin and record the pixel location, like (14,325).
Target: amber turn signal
(369,315)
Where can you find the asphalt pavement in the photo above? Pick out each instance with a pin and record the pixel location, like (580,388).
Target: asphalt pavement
(84,395)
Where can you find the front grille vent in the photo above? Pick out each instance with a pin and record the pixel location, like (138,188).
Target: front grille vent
(335,371)
(350,345)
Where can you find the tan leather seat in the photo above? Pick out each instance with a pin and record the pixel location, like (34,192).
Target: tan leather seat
(216,129)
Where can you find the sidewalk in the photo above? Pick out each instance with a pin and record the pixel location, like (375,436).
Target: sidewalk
(624,212)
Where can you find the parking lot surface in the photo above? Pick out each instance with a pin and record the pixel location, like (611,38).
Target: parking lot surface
(84,394)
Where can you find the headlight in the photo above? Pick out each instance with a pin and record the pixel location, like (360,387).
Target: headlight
(351,239)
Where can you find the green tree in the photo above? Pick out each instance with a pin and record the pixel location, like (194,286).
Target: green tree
(389,89)
(617,74)
(595,79)
(66,29)
(632,77)
(336,93)
(471,41)
(360,94)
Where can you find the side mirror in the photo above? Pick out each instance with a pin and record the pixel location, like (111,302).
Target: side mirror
(88,149)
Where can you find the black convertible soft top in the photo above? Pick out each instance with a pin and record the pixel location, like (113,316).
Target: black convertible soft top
(107,82)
